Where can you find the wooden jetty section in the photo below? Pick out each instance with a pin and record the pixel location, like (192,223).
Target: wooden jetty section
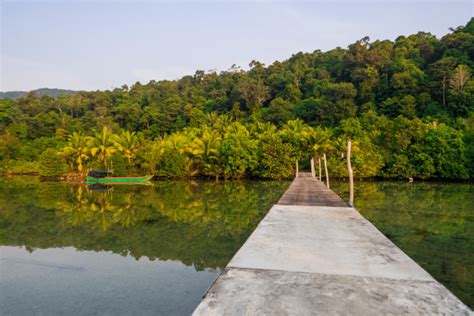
(307,190)
(312,254)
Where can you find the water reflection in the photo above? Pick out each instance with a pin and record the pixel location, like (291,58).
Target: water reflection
(100,187)
(96,205)
(432,222)
(128,249)
(64,281)
(198,223)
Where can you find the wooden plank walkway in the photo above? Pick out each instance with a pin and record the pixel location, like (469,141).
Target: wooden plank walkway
(318,256)
(307,190)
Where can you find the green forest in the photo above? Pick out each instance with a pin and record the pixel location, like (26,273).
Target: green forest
(407,105)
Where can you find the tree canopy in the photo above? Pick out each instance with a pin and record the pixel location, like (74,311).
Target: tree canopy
(408,103)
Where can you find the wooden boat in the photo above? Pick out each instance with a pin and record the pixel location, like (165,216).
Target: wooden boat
(103,176)
(118,179)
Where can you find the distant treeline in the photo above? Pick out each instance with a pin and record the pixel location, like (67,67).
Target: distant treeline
(39,92)
(407,105)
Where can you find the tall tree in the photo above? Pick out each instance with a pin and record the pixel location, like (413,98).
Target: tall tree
(102,145)
(77,150)
(460,77)
(127,143)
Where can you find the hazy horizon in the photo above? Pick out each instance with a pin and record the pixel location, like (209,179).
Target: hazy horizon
(97,45)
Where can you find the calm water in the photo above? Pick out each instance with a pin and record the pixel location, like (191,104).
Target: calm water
(432,222)
(67,249)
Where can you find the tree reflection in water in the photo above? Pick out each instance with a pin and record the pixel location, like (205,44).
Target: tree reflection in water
(432,222)
(96,205)
(199,223)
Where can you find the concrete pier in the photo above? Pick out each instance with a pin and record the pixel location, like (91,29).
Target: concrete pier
(313,255)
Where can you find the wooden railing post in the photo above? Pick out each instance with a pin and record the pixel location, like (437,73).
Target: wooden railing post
(349,171)
(326,170)
(297,168)
(313,172)
(319,164)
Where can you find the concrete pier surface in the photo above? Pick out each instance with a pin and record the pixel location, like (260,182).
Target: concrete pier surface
(323,260)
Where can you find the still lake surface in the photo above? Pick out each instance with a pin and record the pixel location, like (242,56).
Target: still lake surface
(72,249)
(136,250)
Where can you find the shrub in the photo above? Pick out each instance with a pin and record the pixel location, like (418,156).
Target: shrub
(51,164)
(277,160)
(118,164)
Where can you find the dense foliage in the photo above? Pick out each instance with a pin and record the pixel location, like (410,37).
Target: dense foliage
(407,105)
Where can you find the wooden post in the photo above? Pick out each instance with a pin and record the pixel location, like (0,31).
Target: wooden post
(319,163)
(349,171)
(297,168)
(313,173)
(326,170)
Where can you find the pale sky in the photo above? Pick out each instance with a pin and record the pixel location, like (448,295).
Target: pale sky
(101,44)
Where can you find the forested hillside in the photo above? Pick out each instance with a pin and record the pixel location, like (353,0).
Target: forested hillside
(39,92)
(407,105)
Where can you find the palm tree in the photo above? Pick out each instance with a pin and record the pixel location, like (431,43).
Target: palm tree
(321,141)
(300,135)
(102,145)
(178,142)
(236,128)
(127,143)
(78,149)
(211,118)
(222,122)
(262,130)
(207,145)
(206,148)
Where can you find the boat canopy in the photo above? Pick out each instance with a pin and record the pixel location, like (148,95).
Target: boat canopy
(99,173)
